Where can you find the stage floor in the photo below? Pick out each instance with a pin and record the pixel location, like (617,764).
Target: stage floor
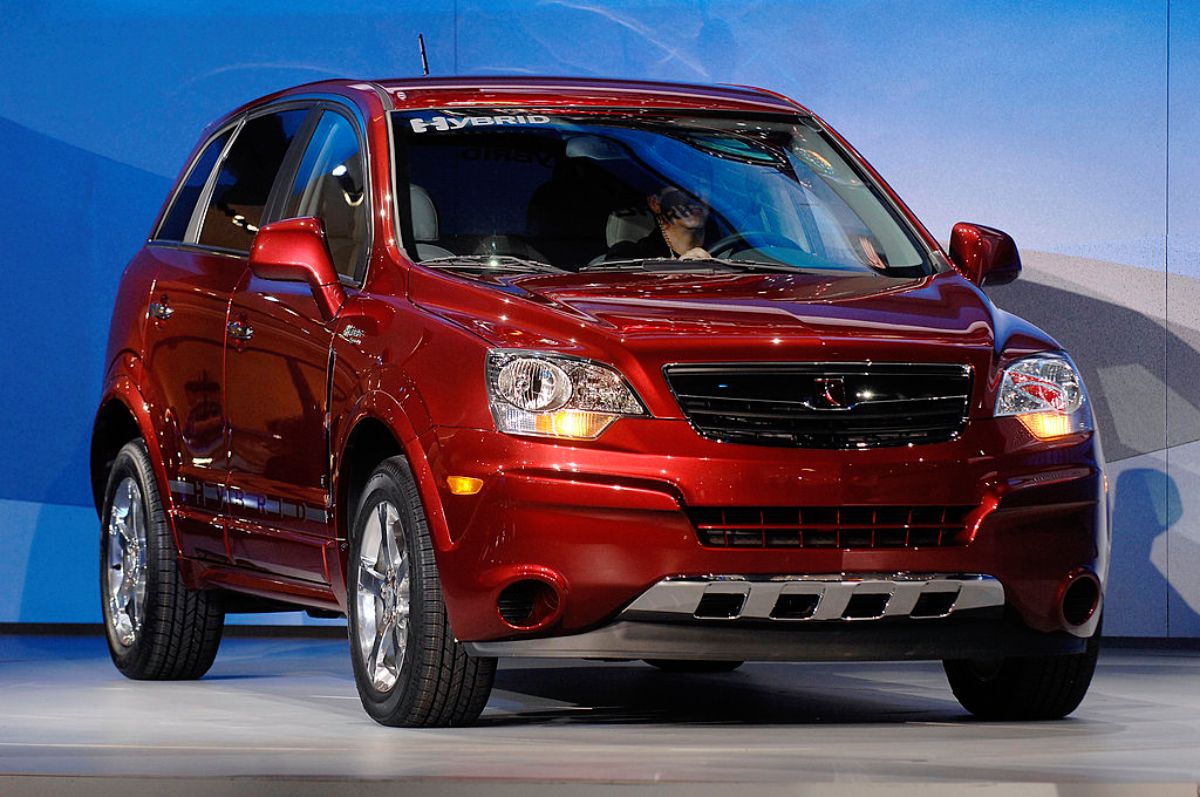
(286,707)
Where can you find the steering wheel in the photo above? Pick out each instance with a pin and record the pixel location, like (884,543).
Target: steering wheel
(740,241)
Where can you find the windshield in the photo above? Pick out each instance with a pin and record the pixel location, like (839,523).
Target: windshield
(579,190)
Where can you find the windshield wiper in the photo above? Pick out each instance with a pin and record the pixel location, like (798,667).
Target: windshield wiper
(505,263)
(691,264)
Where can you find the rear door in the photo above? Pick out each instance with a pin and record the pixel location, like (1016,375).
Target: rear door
(278,364)
(201,249)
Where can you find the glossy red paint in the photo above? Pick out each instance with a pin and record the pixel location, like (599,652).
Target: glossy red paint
(985,256)
(294,250)
(251,434)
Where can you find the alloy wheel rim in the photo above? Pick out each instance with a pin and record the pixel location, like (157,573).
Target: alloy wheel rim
(383,597)
(125,563)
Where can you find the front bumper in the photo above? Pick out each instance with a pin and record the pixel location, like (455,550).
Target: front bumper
(810,618)
(600,524)
(931,640)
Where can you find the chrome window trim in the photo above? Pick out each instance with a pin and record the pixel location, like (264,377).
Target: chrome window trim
(184,246)
(348,111)
(359,122)
(397,231)
(197,222)
(319,102)
(192,234)
(191,167)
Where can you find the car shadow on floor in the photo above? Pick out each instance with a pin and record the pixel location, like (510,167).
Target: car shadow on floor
(755,694)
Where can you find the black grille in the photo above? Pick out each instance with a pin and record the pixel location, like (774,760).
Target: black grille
(839,405)
(830,526)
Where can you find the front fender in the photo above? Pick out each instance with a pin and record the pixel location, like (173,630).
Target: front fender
(121,386)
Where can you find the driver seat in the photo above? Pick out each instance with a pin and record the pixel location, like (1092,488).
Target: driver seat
(628,224)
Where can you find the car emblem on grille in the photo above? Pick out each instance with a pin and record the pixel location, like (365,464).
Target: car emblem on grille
(831,393)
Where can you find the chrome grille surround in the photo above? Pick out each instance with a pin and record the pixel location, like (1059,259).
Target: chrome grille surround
(824,405)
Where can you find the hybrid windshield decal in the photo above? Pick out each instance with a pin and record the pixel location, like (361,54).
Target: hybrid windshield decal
(446,123)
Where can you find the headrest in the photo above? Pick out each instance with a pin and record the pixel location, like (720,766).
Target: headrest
(424,214)
(628,224)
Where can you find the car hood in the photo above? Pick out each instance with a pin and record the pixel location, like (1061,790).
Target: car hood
(734,311)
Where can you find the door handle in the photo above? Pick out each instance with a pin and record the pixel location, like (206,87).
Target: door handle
(161,310)
(239,330)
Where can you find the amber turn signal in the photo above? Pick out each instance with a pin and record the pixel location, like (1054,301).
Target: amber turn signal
(464,485)
(1047,425)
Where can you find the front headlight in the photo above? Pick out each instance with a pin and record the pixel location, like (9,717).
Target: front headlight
(1045,393)
(556,395)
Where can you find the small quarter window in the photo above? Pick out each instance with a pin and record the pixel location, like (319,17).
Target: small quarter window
(245,178)
(329,185)
(175,223)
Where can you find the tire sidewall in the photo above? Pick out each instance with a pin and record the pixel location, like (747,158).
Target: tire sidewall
(133,461)
(382,705)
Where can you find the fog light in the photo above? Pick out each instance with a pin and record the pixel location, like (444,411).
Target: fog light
(527,604)
(464,485)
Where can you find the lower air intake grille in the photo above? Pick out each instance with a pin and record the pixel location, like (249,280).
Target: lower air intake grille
(824,405)
(830,526)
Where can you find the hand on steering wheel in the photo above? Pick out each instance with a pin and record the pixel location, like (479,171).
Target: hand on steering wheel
(730,243)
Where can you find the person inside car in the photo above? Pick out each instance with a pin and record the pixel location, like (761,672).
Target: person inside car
(681,220)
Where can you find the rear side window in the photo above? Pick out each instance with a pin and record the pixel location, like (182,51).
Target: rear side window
(329,185)
(175,223)
(244,180)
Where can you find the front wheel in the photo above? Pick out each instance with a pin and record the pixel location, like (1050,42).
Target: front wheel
(409,669)
(157,628)
(1024,688)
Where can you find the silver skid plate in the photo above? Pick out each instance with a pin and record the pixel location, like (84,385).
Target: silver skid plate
(815,598)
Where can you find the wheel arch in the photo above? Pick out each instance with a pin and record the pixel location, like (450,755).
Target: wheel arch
(123,416)
(379,429)
(370,442)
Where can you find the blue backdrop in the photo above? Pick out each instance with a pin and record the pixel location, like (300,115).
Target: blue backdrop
(1047,120)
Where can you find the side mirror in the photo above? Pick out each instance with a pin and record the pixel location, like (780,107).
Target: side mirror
(984,255)
(294,250)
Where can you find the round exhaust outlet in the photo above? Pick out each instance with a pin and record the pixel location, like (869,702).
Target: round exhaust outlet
(1080,599)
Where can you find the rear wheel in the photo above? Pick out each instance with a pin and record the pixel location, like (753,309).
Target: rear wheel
(157,628)
(696,666)
(408,667)
(1028,688)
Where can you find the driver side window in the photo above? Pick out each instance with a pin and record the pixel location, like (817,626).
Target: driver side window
(330,185)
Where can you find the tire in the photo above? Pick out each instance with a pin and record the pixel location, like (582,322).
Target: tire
(1031,688)
(695,666)
(157,629)
(429,680)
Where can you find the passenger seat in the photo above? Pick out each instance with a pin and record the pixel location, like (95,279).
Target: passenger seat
(425,224)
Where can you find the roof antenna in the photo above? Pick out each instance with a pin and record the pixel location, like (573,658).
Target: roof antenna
(424,59)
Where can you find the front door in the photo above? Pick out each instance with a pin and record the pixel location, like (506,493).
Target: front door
(278,365)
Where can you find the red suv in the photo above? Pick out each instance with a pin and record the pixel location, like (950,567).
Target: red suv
(584,368)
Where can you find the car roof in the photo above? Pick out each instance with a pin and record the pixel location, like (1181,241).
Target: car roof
(552,91)
(510,91)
